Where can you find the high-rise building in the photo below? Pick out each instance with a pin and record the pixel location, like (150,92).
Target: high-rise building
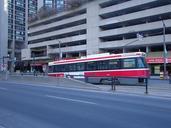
(32,7)
(3,31)
(17,18)
(18,13)
(13,28)
(58,4)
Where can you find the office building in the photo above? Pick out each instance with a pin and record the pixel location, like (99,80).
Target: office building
(32,7)
(13,28)
(104,26)
(58,4)
(18,13)
(17,21)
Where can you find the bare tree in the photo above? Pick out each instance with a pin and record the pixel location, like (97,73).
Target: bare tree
(45,12)
(32,18)
(72,4)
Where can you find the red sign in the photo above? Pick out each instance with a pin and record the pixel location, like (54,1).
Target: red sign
(157,60)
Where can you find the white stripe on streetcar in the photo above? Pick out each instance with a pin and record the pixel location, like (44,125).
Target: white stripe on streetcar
(117,70)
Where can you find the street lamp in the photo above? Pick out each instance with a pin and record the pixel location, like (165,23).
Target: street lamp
(164,49)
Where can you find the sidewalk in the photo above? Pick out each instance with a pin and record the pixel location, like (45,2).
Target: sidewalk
(49,81)
(155,88)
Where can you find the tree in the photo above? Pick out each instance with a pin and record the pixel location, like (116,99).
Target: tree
(45,12)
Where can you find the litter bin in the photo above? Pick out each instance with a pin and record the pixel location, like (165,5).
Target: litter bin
(161,75)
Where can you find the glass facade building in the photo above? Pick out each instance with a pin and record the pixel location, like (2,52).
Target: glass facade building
(17,18)
(58,4)
(18,13)
(32,7)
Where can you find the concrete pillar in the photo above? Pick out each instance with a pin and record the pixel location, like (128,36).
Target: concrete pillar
(123,50)
(48,49)
(92,28)
(147,49)
(40,3)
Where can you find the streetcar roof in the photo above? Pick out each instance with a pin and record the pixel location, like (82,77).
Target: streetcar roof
(98,57)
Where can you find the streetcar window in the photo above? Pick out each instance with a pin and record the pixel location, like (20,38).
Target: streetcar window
(129,63)
(74,67)
(114,64)
(91,66)
(140,63)
(56,68)
(50,69)
(59,68)
(102,65)
(70,67)
(80,66)
(65,68)
(62,68)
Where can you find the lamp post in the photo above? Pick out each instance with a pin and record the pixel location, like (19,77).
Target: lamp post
(164,49)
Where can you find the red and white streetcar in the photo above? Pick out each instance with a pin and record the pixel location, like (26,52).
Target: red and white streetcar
(131,65)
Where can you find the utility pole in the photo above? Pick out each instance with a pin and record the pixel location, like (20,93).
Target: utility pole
(164,49)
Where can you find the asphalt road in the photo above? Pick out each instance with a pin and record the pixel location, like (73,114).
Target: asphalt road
(26,106)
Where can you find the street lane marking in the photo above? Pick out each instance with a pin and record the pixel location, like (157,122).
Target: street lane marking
(118,92)
(2,126)
(1,88)
(69,99)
